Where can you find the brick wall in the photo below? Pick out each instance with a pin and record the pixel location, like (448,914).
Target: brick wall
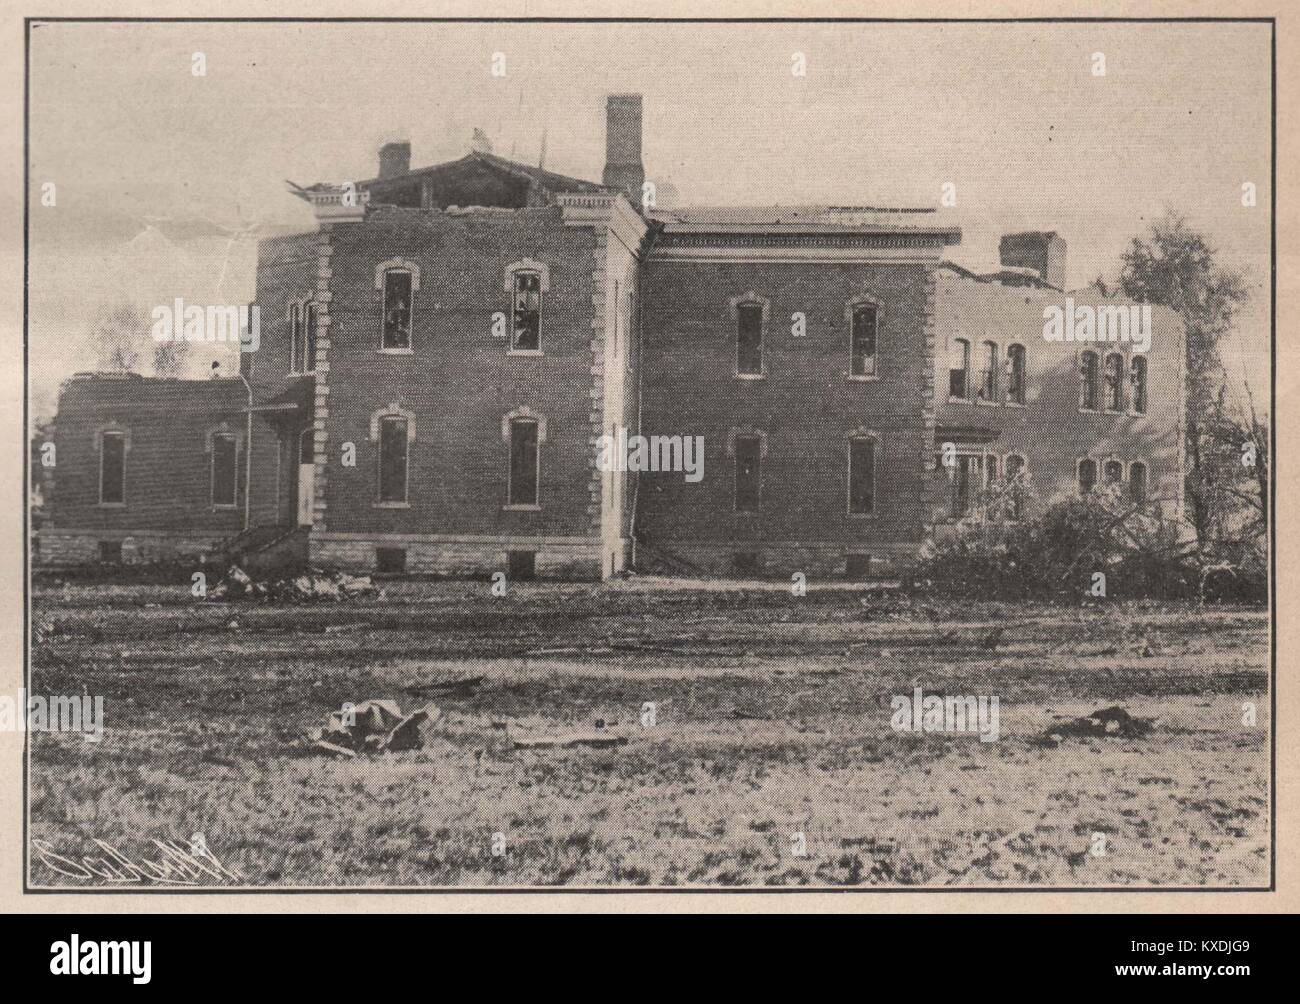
(168,467)
(805,404)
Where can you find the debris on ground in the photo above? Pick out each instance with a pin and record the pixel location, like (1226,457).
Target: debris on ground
(1112,722)
(310,587)
(374,726)
(465,686)
(599,737)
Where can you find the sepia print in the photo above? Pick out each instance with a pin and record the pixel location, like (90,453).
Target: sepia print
(645,455)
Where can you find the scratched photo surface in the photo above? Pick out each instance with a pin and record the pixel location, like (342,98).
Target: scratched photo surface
(649,455)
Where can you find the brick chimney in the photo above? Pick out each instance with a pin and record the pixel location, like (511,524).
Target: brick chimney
(623,168)
(394,159)
(1043,251)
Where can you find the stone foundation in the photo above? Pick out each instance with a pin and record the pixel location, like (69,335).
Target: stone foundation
(458,557)
(69,548)
(780,559)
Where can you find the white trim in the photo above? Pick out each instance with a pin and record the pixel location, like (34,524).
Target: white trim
(874,439)
(376,424)
(750,299)
(397,265)
(508,424)
(381,279)
(851,308)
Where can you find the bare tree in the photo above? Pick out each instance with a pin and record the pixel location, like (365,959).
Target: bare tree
(118,333)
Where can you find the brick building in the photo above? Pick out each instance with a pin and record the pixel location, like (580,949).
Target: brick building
(440,361)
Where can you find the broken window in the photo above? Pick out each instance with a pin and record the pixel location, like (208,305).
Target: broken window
(749,339)
(1138,377)
(1015,374)
(393,446)
(1087,476)
(1114,382)
(527,335)
(112,468)
(309,338)
(223,469)
(959,370)
(862,475)
(748,473)
(989,373)
(397,308)
(862,354)
(1137,482)
(523,461)
(1088,381)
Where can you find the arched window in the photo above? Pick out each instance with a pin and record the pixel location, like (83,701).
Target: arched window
(959,370)
(988,389)
(1088,382)
(112,467)
(527,327)
(399,296)
(751,313)
(1138,378)
(1114,382)
(1015,374)
(1137,482)
(863,325)
(523,484)
(1114,472)
(1087,476)
(393,455)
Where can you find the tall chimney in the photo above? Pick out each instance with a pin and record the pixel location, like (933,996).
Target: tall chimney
(623,168)
(1043,251)
(394,159)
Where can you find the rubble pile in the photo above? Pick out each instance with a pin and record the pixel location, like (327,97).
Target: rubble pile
(312,587)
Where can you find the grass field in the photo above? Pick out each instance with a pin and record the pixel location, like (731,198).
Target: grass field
(772,737)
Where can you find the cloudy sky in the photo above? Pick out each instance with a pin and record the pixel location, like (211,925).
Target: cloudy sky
(165,180)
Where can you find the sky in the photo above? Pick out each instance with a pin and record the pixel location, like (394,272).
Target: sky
(166,180)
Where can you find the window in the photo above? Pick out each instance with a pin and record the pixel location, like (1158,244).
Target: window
(988,390)
(295,337)
(1015,464)
(1138,378)
(527,335)
(110,552)
(390,560)
(1114,382)
(112,468)
(1088,381)
(1087,476)
(223,469)
(1137,482)
(522,565)
(1114,472)
(749,339)
(862,476)
(857,567)
(748,473)
(959,370)
(862,342)
(393,445)
(398,293)
(523,462)
(308,358)
(1015,374)
(967,479)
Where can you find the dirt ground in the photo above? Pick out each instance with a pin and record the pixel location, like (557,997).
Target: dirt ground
(771,759)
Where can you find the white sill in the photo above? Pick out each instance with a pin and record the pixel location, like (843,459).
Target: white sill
(987,404)
(1090,411)
(1016,404)
(861,515)
(958,400)
(112,505)
(390,505)
(395,352)
(524,352)
(751,376)
(522,507)
(862,378)
(226,508)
